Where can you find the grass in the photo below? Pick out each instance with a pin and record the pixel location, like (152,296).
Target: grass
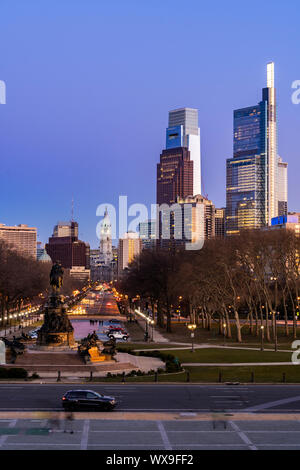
(229,355)
(141,346)
(181,334)
(262,374)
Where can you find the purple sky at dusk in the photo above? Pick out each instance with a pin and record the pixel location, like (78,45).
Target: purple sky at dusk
(90,83)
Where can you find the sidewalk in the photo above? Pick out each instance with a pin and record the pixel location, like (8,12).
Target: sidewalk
(157,337)
(236,364)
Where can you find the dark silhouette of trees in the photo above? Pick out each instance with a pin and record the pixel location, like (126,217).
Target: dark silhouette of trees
(245,280)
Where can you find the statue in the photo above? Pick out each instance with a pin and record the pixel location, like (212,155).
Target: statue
(57,329)
(56,276)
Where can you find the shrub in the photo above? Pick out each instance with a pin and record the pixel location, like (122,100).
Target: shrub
(13,373)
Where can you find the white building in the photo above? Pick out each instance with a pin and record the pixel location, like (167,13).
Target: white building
(106,255)
(282,187)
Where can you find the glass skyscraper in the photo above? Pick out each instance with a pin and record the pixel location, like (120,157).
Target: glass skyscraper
(252,181)
(183,131)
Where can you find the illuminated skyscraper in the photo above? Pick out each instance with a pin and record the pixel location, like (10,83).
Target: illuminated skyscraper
(183,131)
(252,179)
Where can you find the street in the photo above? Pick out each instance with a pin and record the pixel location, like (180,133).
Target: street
(156,397)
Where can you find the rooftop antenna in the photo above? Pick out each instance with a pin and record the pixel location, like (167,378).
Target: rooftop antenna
(72,210)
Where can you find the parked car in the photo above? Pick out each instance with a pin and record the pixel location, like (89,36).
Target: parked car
(87,400)
(117,335)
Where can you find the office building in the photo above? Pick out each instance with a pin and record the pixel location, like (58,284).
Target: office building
(291,221)
(21,238)
(183,131)
(147,233)
(220,222)
(252,184)
(174,175)
(130,246)
(282,188)
(192,219)
(66,229)
(64,246)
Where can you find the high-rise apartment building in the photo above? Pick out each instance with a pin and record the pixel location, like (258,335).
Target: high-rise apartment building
(252,174)
(183,131)
(130,245)
(21,238)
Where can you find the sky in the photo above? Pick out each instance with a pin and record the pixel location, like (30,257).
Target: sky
(89,84)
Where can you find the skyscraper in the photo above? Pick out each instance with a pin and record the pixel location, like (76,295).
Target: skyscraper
(252,174)
(174,175)
(183,131)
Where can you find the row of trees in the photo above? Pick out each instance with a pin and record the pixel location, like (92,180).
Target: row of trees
(248,279)
(25,280)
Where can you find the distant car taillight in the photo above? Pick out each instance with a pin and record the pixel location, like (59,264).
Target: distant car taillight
(63,398)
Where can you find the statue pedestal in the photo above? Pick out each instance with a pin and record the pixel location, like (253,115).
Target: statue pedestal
(57,330)
(56,339)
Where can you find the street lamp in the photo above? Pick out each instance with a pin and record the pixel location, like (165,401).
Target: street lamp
(224,333)
(262,328)
(275,330)
(192,327)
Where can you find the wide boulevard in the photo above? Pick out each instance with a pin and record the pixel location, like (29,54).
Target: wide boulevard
(156,397)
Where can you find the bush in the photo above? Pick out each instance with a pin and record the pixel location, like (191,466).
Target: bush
(13,373)
(35,376)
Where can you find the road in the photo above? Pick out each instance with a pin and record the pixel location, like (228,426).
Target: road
(156,397)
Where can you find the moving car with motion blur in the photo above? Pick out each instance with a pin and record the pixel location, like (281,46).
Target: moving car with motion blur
(87,400)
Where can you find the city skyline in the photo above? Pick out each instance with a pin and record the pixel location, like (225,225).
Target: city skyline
(45,122)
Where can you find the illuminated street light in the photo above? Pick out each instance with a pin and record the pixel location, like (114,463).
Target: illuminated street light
(262,330)
(192,327)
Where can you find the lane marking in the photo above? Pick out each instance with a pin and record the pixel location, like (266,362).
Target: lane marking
(243,436)
(270,404)
(3,438)
(164,435)
(85,434)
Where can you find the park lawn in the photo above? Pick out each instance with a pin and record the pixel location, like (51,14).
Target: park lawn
(143,346)
(181,334)
(211,355)
(243,374)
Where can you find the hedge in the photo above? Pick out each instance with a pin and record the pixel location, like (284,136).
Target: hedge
(13,373)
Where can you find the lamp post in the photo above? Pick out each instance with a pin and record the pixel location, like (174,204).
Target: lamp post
(275,331)
(224,333)
(192,327)
(262,328)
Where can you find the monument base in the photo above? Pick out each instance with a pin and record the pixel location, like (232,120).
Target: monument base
(56,340)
